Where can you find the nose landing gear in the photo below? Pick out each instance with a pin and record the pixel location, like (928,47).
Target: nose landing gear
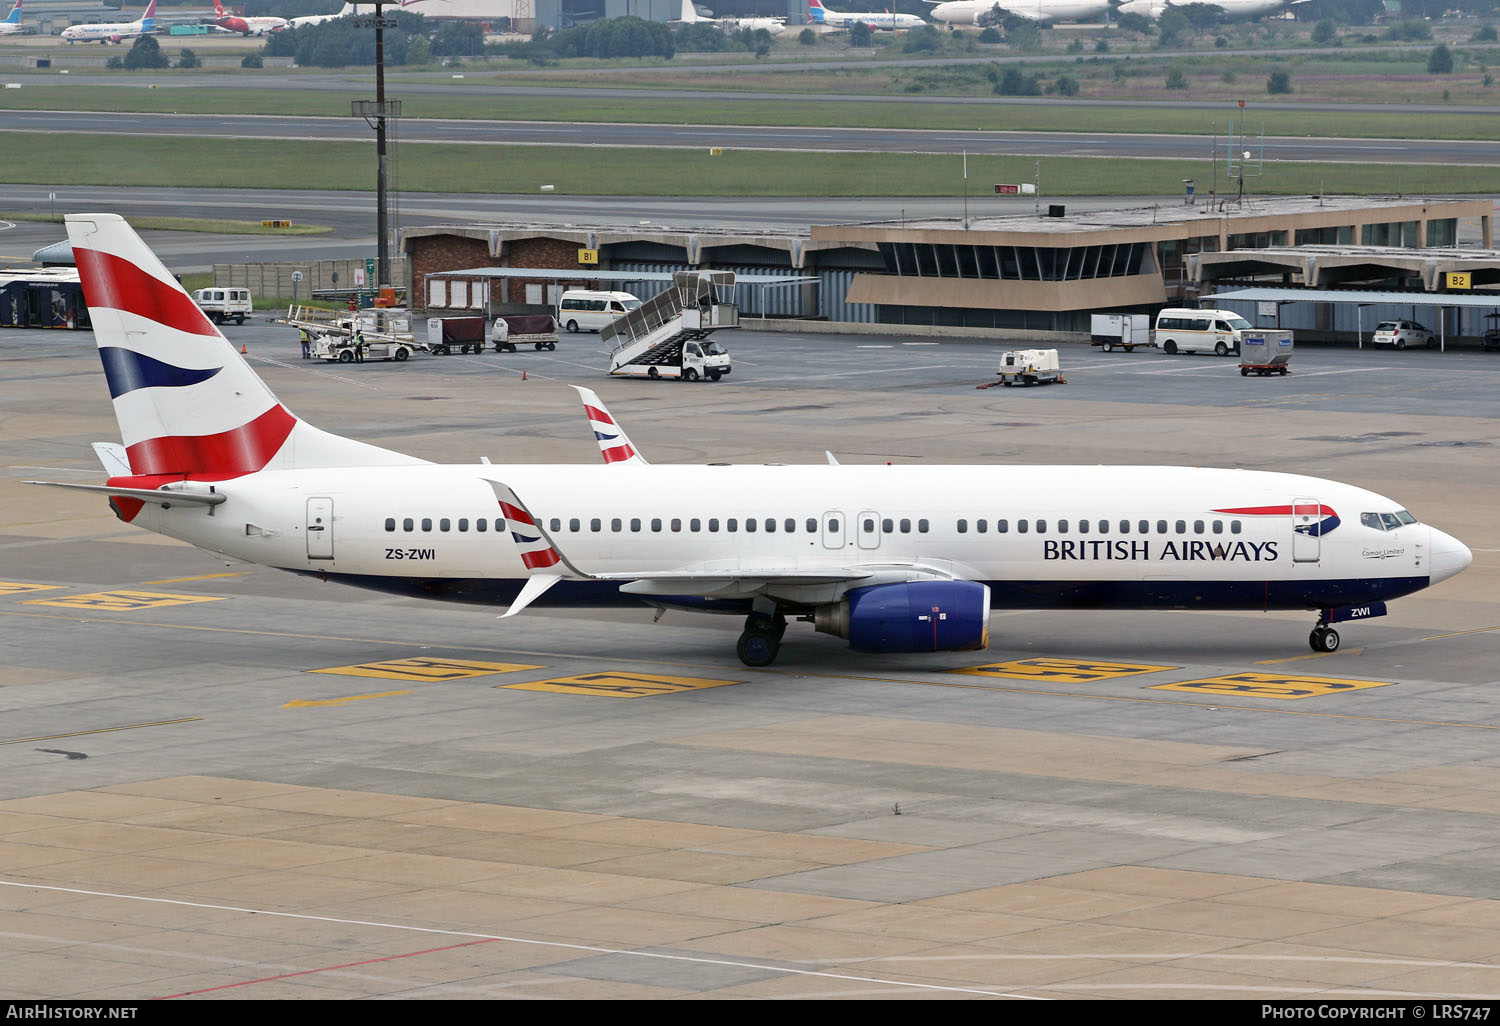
(1323,639)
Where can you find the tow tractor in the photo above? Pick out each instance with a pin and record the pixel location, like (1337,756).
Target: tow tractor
(1028,367)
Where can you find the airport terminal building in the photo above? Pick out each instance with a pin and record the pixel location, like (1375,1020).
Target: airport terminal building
(1044,268)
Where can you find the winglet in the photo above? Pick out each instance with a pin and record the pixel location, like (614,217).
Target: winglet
(614,444)
(538,553)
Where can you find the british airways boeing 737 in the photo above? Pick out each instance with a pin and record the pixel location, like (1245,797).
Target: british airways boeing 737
(895,559)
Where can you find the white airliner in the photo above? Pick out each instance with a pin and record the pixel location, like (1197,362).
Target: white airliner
(246,26)
(318,19)
(884,21)
(992,12)
(893,558)
(690,16)
(1233,8)
(12,22)
(112,32)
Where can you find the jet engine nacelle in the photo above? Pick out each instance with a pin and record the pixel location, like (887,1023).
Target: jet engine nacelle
(918,616)
(996,15)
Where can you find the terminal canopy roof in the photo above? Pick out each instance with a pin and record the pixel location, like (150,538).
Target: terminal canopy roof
(549,273)
(1363,298)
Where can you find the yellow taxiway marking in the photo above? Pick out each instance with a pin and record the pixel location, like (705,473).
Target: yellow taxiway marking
(123,601)
(298,703)
(426,668)
(200,577)
(1459,634)
(1310,655)
(1271,685)
(17,588)
(620,684)
(100,730)
(1061,671)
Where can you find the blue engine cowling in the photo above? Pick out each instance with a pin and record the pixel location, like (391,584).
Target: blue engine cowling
(918,616)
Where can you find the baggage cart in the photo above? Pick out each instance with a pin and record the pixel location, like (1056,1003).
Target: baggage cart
(1265,351)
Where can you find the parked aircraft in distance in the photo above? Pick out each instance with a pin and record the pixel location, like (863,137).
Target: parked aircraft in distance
(883,21)
(690,16)
(342,12)
(1232,8)
(246,26)
(893,558)
(112,32)
(985,13)
(12,22)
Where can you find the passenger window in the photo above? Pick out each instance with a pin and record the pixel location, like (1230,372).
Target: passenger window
(770,525)
(481,524)
(963,527)
(656,524)
(812,526)
(635,523)
(790,526)
(426,523)
(905,526)
(921,527)
(713,525)
(1218,527)
(676,525)
(1161,527)
(1041,527)
(390,523)
(575,525)
(556,524)
(1104,527)
(500,524)
(731,525)
(750,525)
(1197,527)
(1234,527)
(616,525)
(981,526)
(444,524)
(888,525)
(596,525)
(1144,527)
(1021,526)
(695,525)
(463,523)
(1002,526)
(1062,527)
(1083,527)
(1182,527)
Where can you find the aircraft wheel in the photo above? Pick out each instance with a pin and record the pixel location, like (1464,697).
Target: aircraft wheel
(1324,639)
(756,648)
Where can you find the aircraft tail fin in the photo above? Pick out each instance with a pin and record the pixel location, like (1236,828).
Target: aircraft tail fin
(14,17)
(614,444)
(148,20)
(187,403)
(689,13)
(816,11)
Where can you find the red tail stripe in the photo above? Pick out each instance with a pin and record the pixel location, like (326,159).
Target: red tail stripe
(535,560)
(597,414)
(618,453)
(516,513)
(116,283)
(242,450)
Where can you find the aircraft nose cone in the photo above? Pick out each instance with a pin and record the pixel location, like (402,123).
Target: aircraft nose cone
(1449,556)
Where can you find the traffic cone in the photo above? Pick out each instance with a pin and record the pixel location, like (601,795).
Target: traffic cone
(523,375)
(243,350)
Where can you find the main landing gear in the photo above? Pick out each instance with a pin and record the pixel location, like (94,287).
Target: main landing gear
(761,641)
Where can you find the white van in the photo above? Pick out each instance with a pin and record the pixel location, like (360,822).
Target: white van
(224,304)
(1199,331)
(582,310)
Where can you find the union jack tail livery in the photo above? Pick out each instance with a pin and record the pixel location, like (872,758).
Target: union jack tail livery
(188,405)
(614,445)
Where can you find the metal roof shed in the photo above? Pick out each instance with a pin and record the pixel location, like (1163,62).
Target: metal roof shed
(1363,298)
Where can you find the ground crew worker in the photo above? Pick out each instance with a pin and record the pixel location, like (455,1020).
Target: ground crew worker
(359,347)
(306,344)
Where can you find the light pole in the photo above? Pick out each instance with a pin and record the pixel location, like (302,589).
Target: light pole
(375,115)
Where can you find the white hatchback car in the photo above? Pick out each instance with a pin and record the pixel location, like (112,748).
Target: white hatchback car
(1402,334)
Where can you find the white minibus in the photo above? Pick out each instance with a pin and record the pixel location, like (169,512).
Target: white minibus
(1194,331)
(582,310)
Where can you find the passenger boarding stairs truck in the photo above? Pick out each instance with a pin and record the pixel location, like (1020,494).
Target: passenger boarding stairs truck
(667,336)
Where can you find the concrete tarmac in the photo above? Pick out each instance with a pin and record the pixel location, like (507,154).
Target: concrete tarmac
(225,781)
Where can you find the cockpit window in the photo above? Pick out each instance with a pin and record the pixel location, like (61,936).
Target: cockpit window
(1386,521)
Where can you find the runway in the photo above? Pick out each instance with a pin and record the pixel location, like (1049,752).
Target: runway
(224,781)
(416,131)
